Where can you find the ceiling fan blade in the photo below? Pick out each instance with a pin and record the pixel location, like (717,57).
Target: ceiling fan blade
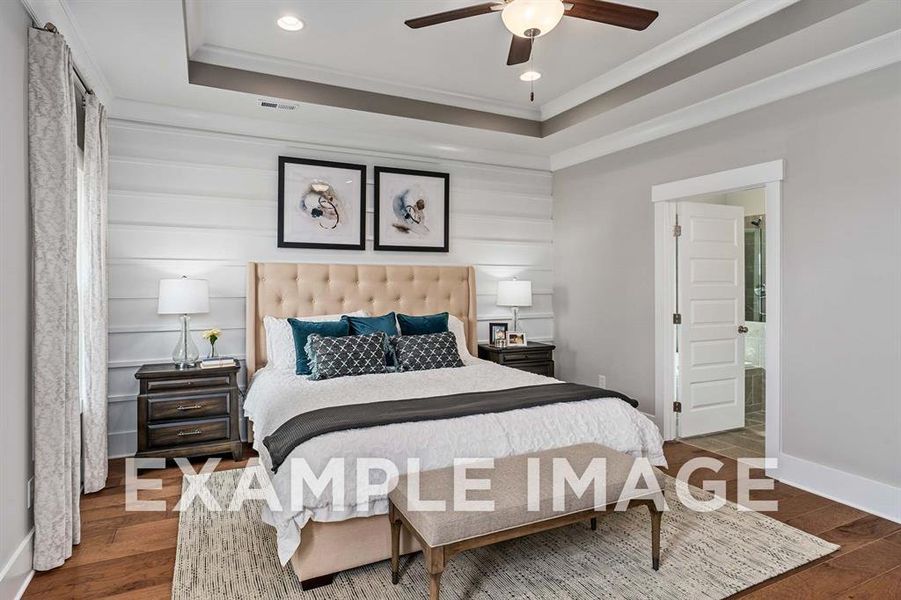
(620,15)
(451,15)
(520,50)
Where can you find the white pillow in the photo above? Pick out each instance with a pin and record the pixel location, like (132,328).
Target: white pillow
(455,326)
(280,339)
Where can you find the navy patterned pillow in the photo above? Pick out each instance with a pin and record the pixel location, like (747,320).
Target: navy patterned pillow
(332,357)
(428,351)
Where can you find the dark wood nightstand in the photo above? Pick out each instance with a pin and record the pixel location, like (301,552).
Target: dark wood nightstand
(188,412)
(535,358)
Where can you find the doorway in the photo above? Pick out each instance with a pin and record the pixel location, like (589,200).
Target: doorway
(717,269)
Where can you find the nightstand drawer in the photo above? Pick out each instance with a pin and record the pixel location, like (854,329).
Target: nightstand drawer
(187,432)
(524,356)
(164,385)
(534,358)
(187,406)
(542,368)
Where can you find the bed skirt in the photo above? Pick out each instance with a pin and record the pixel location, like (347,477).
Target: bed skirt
(329,548)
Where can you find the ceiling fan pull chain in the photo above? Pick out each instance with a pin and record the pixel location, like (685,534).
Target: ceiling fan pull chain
(531,68)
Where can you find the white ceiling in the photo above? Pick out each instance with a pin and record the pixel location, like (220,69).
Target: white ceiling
(364,44)
(134,55)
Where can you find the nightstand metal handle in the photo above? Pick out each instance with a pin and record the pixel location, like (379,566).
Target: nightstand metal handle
(185,407)
(191,432)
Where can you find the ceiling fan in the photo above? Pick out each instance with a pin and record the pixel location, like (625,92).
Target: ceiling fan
(529,19)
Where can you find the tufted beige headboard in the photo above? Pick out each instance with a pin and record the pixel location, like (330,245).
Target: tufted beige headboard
(297,290)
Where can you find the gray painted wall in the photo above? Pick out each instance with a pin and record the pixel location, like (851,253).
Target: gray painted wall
(15,285)
(841,263)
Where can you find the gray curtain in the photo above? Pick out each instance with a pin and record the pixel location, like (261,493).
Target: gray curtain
(92,295)
(53,171)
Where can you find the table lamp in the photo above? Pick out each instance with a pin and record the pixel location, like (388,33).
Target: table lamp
(184,297)
(516,294)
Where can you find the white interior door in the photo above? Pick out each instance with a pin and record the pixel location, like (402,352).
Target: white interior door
(711,284)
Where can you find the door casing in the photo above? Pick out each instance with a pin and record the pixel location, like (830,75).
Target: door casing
(768,175)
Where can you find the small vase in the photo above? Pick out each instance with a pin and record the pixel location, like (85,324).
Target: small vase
(213,353)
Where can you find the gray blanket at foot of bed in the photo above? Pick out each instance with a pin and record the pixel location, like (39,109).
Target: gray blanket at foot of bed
(311,424)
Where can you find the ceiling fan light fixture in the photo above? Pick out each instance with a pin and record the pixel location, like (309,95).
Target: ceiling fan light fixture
(290,23)
(532,18)
(530,76)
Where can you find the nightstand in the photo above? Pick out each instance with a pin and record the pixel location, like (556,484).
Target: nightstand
(535,358)
(188,412)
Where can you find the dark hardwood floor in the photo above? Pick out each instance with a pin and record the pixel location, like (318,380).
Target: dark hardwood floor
(132,554)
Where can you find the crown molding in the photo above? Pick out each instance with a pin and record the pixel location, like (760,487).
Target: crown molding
(711,30)
(844,64)
(251,61)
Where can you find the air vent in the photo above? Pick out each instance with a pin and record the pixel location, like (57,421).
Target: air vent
(275,104)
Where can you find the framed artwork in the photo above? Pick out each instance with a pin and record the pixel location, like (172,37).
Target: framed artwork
(497,331)
(516,338)
(412,210)
(321,204)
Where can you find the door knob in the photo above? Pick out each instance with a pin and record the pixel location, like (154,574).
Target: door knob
(742,329)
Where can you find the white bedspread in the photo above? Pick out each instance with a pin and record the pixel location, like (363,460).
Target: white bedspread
(278,395)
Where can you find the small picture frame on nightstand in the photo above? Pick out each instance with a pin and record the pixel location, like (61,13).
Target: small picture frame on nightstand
(497,334)
(516,339)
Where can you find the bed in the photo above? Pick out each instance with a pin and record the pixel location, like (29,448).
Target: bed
(320,536)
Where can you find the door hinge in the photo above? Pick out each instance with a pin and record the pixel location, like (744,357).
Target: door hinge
(677,230)
(677,407)
(677,319)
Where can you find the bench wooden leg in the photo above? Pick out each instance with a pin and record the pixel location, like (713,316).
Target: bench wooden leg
(434,564)
(656,516)
(594,523)
(395,543)
(434,585)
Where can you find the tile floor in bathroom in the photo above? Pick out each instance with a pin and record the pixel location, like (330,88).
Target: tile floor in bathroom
(747,442)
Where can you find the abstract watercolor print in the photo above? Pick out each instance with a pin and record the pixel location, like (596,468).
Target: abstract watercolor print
(410,214)
(411,210)
(321,204)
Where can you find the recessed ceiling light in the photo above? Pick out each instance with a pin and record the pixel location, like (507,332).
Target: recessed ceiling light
(530,76)
(290,23)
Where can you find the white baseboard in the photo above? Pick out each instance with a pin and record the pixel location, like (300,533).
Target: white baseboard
(122,443)
(17,572)
(876,497)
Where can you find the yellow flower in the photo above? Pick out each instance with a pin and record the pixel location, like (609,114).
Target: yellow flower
(211,334)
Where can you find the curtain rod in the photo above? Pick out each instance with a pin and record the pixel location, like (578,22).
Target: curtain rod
(52,29)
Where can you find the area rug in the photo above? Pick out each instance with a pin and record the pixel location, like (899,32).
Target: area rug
(229,555)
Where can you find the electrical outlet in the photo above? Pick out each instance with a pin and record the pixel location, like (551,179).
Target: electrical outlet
(29,493)
(602,381)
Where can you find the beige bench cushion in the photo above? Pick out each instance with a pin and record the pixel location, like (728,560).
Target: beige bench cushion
(510,493)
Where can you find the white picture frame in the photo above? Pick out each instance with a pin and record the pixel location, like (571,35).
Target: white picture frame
(517,339)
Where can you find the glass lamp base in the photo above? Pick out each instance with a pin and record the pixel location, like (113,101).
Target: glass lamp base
(185,354)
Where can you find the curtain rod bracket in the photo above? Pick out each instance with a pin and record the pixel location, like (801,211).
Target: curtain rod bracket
(51,27)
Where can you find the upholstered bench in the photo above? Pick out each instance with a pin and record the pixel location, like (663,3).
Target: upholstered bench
(443,534)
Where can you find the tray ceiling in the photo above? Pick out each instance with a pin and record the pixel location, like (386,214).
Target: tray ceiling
(357,77)
(364,44)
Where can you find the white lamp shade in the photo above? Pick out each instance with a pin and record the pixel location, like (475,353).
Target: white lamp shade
(183,296)
(514,293)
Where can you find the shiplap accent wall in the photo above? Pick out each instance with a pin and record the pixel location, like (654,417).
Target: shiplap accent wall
(203,204)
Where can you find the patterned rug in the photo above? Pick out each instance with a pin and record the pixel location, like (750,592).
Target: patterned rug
(228,555)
